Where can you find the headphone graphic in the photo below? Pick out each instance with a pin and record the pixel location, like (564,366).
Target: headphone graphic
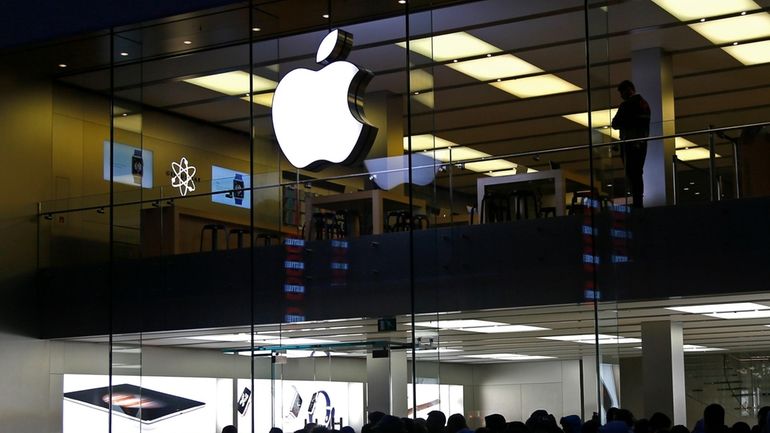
(328,416)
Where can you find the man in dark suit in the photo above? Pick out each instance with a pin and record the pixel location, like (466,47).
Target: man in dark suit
(633,121)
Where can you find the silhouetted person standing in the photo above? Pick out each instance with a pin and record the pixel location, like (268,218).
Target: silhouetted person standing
(633,121)
(714,419)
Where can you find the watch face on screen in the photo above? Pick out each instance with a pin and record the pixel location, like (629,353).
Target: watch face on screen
(137,165)
(238,186)
(131,401)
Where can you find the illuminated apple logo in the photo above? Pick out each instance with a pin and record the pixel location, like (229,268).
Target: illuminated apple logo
(318,116)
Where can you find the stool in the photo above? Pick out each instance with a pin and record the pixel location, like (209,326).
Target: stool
(521,200)
(349,222)
(495,208)
(420,222)
(214,230)
(238,236)
(267,238)
(547,210)
(397,221)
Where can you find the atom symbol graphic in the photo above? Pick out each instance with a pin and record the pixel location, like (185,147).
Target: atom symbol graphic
(183,176)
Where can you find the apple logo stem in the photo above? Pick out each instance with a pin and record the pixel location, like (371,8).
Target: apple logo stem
(318,116)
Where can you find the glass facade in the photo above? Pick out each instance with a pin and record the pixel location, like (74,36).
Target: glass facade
(285,213)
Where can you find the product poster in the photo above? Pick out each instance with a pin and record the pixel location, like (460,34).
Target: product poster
(430,397)
(146,404)
(297,402)
(236,184)
(131,165)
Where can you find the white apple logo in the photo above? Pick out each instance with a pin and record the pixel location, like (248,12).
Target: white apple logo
(318,116)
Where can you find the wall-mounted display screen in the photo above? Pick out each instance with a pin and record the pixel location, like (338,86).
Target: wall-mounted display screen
(149,403)
(131,165)
(236,184)
(297,402)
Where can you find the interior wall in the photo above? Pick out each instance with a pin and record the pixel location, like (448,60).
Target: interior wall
(515,390)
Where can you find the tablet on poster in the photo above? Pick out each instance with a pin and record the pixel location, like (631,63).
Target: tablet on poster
(131,165)
(236,184)
(149,403)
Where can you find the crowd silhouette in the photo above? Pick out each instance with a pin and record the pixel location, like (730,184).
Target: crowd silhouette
(540,421)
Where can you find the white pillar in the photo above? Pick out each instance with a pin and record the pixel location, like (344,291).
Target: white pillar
(386,383)
(653,78)
(663,370)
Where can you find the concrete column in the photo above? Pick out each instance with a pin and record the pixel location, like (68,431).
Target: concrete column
(386,383)
(590,400)
(663,370)
(652,75)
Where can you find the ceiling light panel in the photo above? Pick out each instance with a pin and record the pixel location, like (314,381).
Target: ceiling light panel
(491,68)
(733,29)
(694,153)
(683,143)
(454,46)
(450,46)
(719,308)
(538,85)
(591,339)
(736,315)
(491,165)
(233,83)
(265,99)
(687,10)
(509,357)
(750,54)
(455,154)
(599,118)
(505,329)
(456,324)
(426,142)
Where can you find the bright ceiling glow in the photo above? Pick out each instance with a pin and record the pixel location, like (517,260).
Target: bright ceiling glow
(505,328)
(425,98)
(591,339)
(726,30)
(491,68)
(457,323)
(683,143)
(719,308)
(483,326)
(437,350)
(454,46)
(450,46)
(696,348)
(455,154)
(687,10)
(491,165)
(265,99)
(538,85)
(262,339)
(233,83)
(509,357)
(426,142)
(739,310)
(759,314)
(694,153)
(750,54)
(733,29)
(599,118)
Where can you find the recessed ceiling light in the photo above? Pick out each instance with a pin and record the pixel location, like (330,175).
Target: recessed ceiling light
(694,153)
(326,16)
(591,339)
(711,309)
(62,65)
(456,323)
(255,29)
(402,2)
(491,166)
(233,83)
(124,54)
(702,19)
(187,42)
(694,348)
